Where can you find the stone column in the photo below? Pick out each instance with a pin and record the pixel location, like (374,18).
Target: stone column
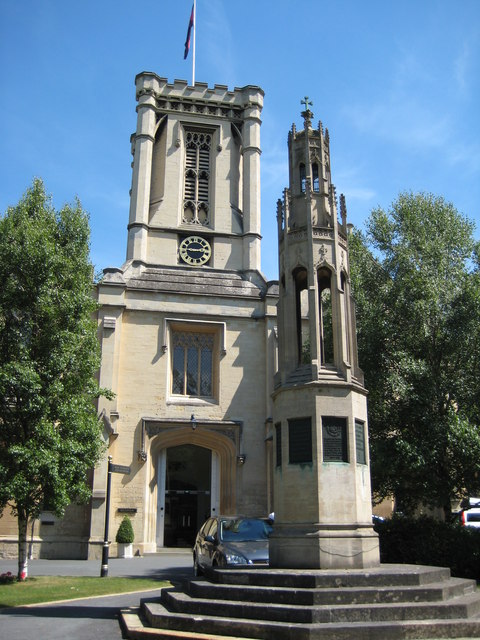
(142,171)
(251,184)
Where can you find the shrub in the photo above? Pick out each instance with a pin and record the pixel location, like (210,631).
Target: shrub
(430,542)
(7,578)
(125,533)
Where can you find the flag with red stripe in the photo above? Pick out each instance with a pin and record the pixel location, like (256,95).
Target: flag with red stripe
(187,41)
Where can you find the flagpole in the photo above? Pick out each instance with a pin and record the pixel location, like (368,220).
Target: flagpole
(194,38)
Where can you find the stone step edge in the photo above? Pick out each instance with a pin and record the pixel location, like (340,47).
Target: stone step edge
(376,631)
(159,609)
(444,590)
(137,629)
(390,575)
(452,625)
(173,597)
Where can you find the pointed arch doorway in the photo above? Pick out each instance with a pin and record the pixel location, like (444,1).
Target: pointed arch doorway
(188,492)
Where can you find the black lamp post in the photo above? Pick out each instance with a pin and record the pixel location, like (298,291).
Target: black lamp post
(106,543)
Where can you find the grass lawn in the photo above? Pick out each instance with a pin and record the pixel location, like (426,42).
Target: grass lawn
(52,588)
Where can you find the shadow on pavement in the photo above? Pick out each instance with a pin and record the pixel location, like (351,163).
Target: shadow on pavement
(64,611)
(172,573)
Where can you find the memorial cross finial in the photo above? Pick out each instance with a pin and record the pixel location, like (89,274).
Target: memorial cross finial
(307,103)
(307,114)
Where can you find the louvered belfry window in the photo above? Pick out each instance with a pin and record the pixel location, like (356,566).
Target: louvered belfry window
(197,176)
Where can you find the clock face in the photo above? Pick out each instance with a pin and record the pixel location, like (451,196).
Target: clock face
(195,250)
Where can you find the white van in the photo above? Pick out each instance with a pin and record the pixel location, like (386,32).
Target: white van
(471,517)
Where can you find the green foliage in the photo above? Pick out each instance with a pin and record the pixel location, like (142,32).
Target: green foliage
(49,355)
(125,533)
(416,284)
(306,355)
(426,541)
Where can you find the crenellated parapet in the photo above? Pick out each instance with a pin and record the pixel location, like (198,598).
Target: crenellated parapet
(217,101)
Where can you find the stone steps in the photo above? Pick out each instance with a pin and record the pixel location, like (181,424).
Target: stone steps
(135,625)
(327,596)
(393,601)
(460,607)
(386,575)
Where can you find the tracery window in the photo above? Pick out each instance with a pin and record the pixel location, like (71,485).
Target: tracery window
(197,176)
(192,363)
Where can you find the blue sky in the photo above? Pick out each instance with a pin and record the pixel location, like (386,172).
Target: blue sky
(396,83)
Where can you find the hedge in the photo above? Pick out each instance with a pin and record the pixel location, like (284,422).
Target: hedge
(430,542)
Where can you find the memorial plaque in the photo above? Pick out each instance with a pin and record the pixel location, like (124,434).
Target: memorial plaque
(360,442)
(300,440)
(334,437)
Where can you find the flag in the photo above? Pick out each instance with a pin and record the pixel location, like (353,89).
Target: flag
(187,41)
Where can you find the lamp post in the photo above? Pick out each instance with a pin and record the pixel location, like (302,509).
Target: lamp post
(104,569)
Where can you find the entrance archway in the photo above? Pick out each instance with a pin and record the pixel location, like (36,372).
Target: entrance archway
(223,451)
(188,493)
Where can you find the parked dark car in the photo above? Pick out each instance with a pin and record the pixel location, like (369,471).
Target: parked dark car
(231,541)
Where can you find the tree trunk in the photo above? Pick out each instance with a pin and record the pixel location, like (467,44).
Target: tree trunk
(22,547)
(447,512)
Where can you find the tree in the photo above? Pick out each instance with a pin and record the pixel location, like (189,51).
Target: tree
(50,435)
(416,283)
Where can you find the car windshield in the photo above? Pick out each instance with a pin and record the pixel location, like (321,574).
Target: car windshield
(244,529)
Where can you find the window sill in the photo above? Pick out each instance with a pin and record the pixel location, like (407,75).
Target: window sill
(191,401)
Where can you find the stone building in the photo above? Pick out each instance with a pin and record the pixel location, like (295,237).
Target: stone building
(187,325)
(206,415)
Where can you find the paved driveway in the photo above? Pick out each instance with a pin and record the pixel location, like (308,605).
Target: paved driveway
(89,618)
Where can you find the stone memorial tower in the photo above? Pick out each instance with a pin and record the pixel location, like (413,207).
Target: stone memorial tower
(322,497)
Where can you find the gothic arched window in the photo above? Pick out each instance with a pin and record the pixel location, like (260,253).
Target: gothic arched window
(326,316)
(303,177)
(300,277)
(316,184)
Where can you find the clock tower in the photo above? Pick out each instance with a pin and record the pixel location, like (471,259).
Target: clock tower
(187,324)
(195,196)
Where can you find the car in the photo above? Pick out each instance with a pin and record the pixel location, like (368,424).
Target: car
(377,519)
(469,516)
(231,541)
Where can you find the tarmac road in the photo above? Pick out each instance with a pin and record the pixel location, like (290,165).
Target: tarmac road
(89,618)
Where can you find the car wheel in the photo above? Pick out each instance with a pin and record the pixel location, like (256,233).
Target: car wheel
(197,571)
